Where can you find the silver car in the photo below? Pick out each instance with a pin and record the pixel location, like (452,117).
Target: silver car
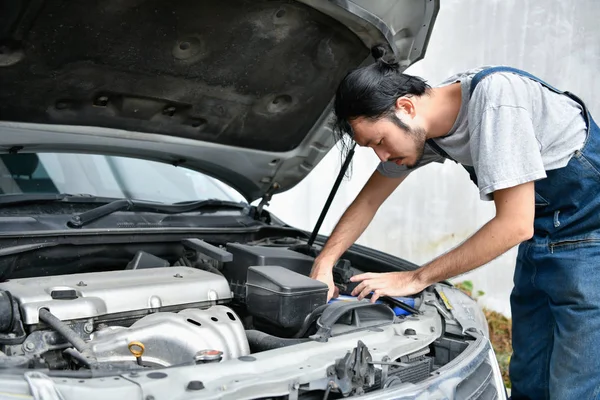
(140,142)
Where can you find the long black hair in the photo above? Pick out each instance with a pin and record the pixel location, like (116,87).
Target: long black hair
(371,92)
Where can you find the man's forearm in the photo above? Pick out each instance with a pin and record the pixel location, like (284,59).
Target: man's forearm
(354,221)
(351,225)
(492,240)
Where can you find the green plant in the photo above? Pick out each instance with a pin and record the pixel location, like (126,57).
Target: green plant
(467,287)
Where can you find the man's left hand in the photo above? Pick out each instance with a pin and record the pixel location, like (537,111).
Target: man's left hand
(387,284)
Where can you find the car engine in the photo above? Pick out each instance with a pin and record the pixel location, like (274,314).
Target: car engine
(159,314)
(169,313)
(248,308)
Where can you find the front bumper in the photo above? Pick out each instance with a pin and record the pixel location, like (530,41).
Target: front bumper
(474,374)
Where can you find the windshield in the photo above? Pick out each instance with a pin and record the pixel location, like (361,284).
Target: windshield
(108,176)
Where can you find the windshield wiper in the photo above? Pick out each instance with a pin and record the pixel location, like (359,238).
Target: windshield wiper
(25,198)
(79,220)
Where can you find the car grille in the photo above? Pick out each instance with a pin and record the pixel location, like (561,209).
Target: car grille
(479,385)
(415,371)
(472,371)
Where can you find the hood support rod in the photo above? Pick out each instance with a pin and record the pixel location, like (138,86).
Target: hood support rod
(334,190)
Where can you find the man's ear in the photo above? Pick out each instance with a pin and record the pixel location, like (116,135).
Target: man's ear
(406,106)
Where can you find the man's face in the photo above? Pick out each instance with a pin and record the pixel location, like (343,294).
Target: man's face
(389,141)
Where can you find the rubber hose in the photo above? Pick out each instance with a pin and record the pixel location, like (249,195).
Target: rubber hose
(62,328)
(78,356)
(206,267)
(310,319)
(212,269)
(260,341)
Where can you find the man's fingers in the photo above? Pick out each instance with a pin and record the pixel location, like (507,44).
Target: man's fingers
(364,292)
(358,289)
(333,293)
(362,277)
(370,282)
(364,289)
(374,297)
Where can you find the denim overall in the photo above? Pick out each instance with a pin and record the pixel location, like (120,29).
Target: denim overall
(555,301)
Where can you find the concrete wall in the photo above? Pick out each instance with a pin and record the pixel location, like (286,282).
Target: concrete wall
(438,207)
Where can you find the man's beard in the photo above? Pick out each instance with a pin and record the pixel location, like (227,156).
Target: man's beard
(418,136)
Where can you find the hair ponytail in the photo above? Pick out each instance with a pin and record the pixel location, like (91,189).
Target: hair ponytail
(378,52)
(384,64)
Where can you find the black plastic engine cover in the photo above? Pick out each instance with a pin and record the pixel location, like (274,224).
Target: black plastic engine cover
(282,297)
(246,256)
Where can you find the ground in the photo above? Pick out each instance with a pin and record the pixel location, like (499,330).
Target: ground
(500,331)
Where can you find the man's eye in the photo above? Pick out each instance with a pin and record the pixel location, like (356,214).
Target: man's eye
(381,141)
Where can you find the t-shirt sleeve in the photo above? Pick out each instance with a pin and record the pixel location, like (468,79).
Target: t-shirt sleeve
(504,146)
(393,170)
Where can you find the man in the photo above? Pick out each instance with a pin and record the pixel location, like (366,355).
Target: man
(531,149)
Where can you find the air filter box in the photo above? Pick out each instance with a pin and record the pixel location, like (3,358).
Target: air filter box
(281,296)
(245,256)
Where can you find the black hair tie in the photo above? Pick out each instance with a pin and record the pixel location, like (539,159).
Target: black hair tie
(378,52)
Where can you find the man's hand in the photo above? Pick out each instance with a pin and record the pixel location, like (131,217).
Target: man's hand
(387,284)
(325,275)
(351,225)
(513,224)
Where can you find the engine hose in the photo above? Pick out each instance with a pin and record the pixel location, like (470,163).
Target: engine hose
(185,262)
(210,268)
(260,341)
(62,328)
(68,333)
(78,356)
(310,319)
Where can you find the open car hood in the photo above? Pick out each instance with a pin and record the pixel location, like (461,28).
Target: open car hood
(240,90)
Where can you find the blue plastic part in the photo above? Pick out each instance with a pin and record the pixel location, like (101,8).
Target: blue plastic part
(397,310)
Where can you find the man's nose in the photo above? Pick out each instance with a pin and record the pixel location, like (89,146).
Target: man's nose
(383,155)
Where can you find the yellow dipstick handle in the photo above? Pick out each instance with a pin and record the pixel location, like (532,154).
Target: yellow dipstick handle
(137,349)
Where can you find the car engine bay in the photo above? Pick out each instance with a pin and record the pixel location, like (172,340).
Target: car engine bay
(213,304)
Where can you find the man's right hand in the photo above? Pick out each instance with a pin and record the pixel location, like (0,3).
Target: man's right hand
(350,226)
(325,275)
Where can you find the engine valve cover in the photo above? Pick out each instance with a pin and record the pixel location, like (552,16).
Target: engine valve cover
(90,295)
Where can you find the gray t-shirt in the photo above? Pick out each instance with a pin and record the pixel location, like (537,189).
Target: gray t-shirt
(512,130)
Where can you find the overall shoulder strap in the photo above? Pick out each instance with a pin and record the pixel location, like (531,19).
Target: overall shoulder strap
(438,149)
(478,77)
(488,71)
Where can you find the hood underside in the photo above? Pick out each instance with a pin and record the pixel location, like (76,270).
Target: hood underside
(238,89)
